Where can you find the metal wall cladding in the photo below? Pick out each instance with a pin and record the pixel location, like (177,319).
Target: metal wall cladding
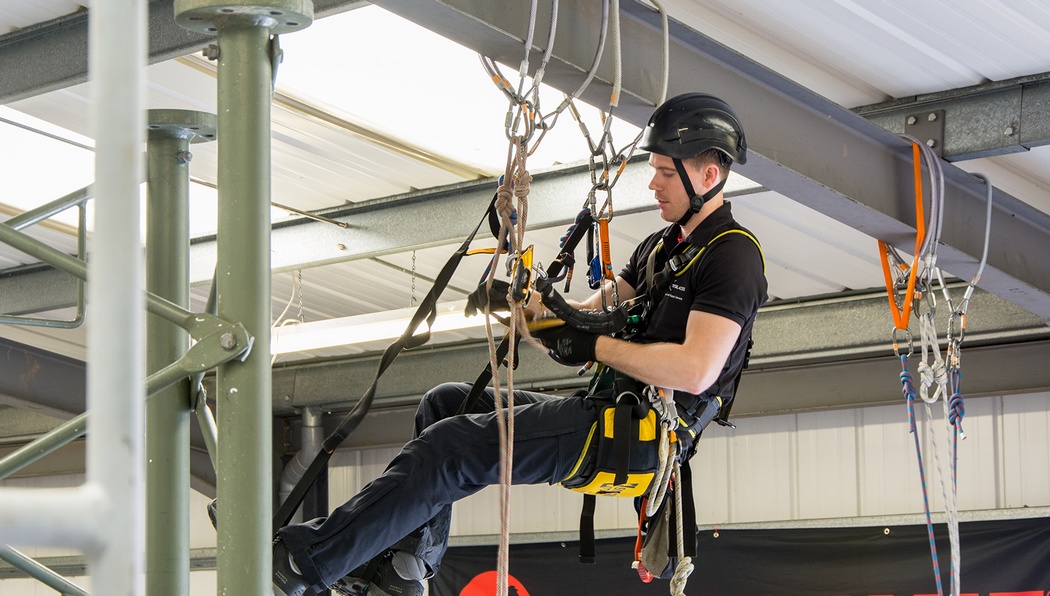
(801,467)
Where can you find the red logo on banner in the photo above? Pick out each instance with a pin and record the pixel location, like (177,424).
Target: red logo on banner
(484,584)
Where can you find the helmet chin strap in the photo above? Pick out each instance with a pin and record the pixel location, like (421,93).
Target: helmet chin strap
(695,201)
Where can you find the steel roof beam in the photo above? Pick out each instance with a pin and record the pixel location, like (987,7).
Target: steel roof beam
(53,55)
(981,121)
(840,344)
(436,217)
(802,145)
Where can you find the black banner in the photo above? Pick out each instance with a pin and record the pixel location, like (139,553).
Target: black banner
(999,558)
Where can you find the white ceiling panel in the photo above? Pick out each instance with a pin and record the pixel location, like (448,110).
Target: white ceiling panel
(19,14)
(369,106)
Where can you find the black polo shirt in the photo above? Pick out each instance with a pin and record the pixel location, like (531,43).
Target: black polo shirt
(728,279)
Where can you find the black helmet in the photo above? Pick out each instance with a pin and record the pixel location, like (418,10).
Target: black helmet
(689,124)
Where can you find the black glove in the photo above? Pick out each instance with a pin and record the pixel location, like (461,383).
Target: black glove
(568,345)
(495,299)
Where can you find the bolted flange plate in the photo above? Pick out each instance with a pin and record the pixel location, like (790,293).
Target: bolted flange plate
(208,16)
(196,127)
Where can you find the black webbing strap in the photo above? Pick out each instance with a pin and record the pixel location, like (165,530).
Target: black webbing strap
(685,484)
(623,415)
(427,311)
(587,529)
(484,377)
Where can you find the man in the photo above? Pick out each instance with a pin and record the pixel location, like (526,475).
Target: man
(695,343)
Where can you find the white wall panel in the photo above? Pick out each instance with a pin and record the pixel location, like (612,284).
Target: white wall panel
(886,460)
(712,483)
(763,468)
(1026,445)
(202,534)
(807,466)
(827,464)
(980,471)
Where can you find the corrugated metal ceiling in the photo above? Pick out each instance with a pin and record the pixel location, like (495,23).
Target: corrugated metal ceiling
(330,150)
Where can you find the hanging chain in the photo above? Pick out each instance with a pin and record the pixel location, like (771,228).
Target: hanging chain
(299,286)
(412,297)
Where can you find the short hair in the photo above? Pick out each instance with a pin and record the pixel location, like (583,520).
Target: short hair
(711,156)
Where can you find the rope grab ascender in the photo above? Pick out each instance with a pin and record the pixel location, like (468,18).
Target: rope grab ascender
(910,292)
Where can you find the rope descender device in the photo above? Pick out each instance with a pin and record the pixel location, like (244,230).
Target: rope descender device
(521,276)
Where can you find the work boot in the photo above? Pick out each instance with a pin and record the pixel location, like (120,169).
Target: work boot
(287,581)
(393,573)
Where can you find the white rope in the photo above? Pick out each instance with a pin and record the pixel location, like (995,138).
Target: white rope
(951,506)
(512,196)
(663,403)
(933,369)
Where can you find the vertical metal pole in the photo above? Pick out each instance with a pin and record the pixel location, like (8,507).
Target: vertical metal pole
(168,412)
(167,429)
(116,338)
(243,389)
(245,484)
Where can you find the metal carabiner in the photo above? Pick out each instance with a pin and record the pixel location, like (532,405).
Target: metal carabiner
(896,343)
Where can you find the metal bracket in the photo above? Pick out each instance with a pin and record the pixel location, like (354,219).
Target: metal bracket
(928,127)
(225,342)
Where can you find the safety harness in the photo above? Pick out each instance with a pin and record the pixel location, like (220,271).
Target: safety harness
(621,457)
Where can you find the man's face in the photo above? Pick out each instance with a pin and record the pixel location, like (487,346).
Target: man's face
(667,188)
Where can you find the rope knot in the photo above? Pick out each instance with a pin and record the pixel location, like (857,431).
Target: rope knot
(681,576)
(521,186)
(932,375)
(956,410)
(907,384)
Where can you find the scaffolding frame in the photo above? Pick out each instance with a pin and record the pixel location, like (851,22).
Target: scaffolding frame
(104,517)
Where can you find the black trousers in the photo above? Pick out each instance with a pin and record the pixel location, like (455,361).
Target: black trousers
(452,457)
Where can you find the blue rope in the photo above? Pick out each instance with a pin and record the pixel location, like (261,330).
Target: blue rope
(956,405)
(908,388)
(956,411)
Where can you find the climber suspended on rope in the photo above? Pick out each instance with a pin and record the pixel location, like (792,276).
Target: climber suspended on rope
(703,276)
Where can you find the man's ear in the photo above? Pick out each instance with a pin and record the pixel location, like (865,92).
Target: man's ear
(711,175)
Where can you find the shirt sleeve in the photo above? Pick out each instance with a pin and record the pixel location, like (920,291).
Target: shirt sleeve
(732,281)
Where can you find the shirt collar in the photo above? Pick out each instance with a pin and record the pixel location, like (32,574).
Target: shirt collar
(710,226)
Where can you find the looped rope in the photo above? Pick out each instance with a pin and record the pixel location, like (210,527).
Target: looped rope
(932,375)
(663,403)
(932,369)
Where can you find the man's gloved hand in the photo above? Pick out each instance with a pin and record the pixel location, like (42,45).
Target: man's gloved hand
(495,299)
(567,345)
